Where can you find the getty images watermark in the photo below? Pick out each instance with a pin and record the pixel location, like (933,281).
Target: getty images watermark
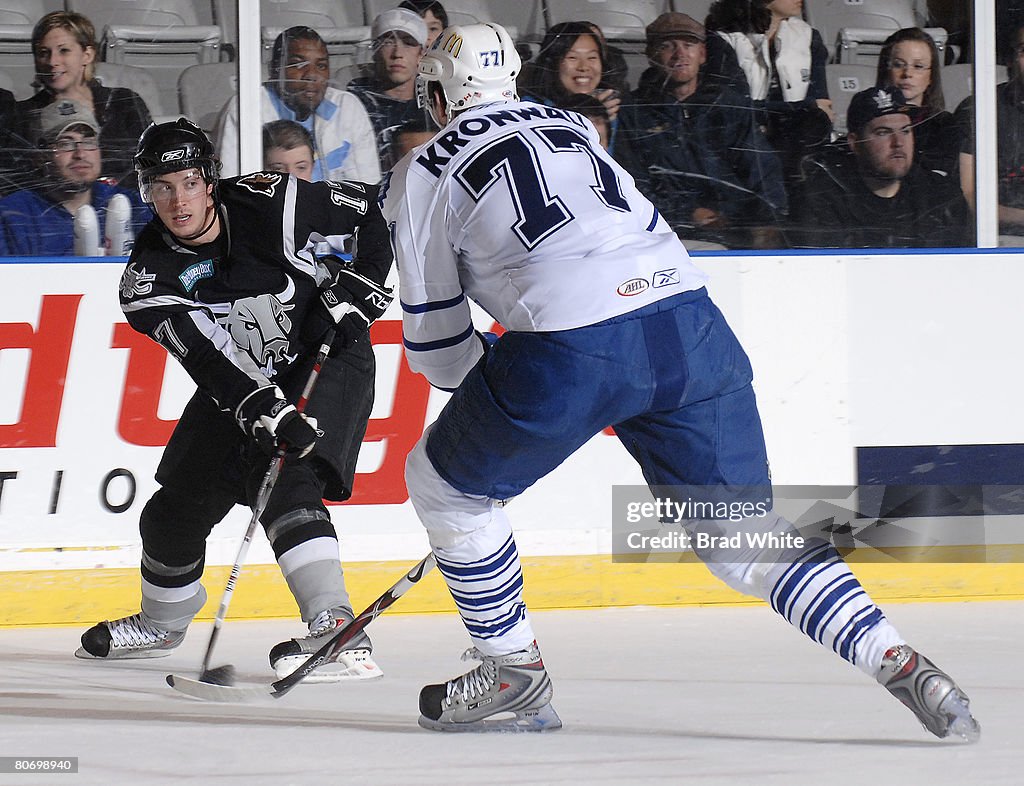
(873,523)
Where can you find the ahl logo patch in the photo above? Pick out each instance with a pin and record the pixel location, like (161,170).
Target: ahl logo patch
(632,287)
(264,183)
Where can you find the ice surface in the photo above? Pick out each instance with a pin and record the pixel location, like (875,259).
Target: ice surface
(647,695)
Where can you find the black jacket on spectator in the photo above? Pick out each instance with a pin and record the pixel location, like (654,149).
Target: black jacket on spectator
(10,166)
(937,141)
(1009,140)
(705,151)
(121,113)
(387,115)
(834,208)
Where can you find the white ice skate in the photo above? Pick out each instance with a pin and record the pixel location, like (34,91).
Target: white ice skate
(352,663)
(136,636)
(929,693)
(504,693)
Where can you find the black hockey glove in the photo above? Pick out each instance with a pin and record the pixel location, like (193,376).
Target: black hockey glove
(354,303)
(267,417)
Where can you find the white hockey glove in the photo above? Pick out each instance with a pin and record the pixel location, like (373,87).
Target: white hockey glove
(267,417)
(354,303)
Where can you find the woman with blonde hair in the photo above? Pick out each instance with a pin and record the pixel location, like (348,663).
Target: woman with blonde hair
(65,50)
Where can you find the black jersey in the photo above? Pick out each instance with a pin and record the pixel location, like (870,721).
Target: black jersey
(232,311)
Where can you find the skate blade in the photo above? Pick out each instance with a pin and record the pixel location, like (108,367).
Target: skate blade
(84,654)
(956,707)
(351,666)
(541,719)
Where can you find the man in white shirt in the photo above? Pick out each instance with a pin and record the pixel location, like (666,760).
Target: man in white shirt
(345,147)
(518,207)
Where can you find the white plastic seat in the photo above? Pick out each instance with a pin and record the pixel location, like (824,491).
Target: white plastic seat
(853,30)
(136,79)
(471,12)
(958,82)
(163,36)
(619,20)
(204,90)
(341,25)
(17,18)
(844,81)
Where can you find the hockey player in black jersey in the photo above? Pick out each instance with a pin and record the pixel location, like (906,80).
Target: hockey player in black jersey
(239,281)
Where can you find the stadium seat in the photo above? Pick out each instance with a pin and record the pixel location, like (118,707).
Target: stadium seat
(17,18)
(958,82)
(163,36)
(844,80)
(467,12)
(140,81)
(204,90)
(621,20)
(341,25)
(698,9)
(853,30)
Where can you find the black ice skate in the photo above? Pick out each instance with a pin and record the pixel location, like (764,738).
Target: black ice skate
(136,636)
(352,663)
(504,693)
(929,693)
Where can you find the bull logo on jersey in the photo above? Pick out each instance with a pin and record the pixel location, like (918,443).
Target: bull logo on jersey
(135,282)
(262,183)
(260,325)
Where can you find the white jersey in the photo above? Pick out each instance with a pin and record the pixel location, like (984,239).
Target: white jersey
(518,207)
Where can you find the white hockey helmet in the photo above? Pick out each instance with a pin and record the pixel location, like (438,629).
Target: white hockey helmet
(473,64)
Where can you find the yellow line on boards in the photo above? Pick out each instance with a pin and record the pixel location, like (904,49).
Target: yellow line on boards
(76,597)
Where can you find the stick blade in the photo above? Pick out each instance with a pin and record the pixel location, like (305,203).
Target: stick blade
(208,691)
(221,675)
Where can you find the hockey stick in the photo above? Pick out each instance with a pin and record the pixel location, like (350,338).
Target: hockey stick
(225,675)
(216,692)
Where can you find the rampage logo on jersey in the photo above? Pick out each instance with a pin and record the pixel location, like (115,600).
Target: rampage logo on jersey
(263,183)
(191,275)
(135,282)
(433,159)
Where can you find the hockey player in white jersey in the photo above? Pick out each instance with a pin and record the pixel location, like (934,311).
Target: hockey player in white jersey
(517,207)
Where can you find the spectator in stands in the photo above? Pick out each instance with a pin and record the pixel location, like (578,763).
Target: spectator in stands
(64,48)
(10,166)
(434,15)
(910,61)
(40,221)
(343,141)
(783,59)
(288,148)
(595,111)
(571,60)
(876,196)
(1010,145)
(695,148)
(389,92)
(616,70)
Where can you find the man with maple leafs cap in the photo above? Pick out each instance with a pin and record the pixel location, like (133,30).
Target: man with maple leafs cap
(240,281)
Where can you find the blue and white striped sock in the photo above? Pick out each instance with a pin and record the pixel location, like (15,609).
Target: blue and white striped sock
(488,592)
(819,594)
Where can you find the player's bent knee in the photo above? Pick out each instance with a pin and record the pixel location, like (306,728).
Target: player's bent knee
(447,514)
(753,567)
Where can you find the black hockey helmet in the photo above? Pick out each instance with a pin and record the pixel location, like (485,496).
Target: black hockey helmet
(172,147)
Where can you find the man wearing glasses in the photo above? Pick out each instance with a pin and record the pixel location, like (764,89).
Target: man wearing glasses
(39,221)
(874,194)
(389,93)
